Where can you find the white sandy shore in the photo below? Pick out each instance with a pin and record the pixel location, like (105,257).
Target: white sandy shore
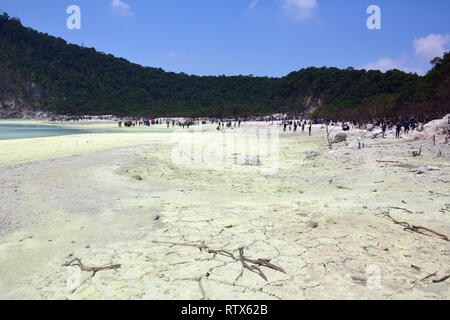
(94,196)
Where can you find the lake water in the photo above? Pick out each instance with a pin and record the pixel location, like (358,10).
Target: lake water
(23,131)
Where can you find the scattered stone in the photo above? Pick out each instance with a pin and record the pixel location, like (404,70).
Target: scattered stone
(421,170)
(340,137)
(155,216)
(374,190)
(415,267)
(87,246)
(368,247)
(312,224)
(138,177)
(432,168)
(331,221)
(311,154)
(269,173)
(364,207)
(360,280)
(384,248)
(247,159)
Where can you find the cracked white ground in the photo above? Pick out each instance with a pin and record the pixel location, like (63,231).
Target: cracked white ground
(95,197)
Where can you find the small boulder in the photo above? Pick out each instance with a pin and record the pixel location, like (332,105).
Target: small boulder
(340,137)
(155,216)
(312,224)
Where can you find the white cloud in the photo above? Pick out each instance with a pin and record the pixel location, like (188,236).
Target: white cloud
(386,64)
(431,47)
(301,9)
(383,65)
(253,4)
(170,56)
(121,8)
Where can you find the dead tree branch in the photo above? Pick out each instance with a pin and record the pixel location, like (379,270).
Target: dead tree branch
(413,228)
(387,161)
(428,276)
(77,261)
(400,208)
(253,268)
(200,246)
(417,153)
(342,187)
(442,279)
(330,143)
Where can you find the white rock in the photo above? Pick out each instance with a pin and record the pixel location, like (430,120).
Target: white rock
(247,159)
(421,170)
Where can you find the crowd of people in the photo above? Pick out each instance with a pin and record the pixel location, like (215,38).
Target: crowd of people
(291,122)
(65,118)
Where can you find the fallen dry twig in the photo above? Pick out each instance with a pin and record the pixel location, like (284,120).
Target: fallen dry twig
(442,279)
(258,262)
(200,246)
(342,187)
(387,161)
(428,276)
(414,228)
(400,208)
(417,153)
(93,269)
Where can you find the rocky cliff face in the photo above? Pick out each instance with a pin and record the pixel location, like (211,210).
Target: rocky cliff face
(311,104)
(16,101)
(20,109)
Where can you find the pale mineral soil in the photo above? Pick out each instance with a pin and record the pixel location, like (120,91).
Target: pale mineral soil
(95,197)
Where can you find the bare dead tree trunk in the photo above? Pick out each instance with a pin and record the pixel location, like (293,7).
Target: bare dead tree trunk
(330,143)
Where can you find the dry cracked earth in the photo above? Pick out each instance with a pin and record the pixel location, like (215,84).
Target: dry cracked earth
(319,217)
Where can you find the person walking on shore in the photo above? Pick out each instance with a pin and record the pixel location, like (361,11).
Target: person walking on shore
(310,127)
(406,126)
(398,129)
(303,127)
(383,129)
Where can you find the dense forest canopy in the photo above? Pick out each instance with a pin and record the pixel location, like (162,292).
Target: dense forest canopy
(53,75)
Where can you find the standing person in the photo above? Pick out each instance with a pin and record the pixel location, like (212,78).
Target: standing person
(310,127)
(398,129)
(406,126)
(295,126)
(413,123)
(284,125)
(383,129)
(303,127)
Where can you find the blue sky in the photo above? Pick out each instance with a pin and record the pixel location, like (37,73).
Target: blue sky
(259,37)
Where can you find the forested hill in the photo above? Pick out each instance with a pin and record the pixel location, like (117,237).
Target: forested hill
(42,72)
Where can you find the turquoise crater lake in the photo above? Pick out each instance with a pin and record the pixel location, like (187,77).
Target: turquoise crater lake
(14,130)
